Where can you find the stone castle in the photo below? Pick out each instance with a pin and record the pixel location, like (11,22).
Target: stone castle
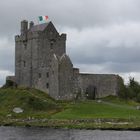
(41,62)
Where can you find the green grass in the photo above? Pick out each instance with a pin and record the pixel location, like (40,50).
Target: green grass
(34,103)
(119,101)
(93,110)
(39,106)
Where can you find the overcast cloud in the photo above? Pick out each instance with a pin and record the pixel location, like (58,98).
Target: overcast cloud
(103,36)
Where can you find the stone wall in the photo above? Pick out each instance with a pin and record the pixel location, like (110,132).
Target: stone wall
(66,82)
(61,78)
(23,62)
(54,77)
(105,84)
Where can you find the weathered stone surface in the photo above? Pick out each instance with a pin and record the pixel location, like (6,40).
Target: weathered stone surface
(41,62)
(105,84)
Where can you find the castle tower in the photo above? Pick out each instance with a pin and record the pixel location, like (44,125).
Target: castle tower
(34,49)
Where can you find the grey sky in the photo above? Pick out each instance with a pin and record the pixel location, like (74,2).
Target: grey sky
(103,35)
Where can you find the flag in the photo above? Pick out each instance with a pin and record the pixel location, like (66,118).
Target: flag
(43,19)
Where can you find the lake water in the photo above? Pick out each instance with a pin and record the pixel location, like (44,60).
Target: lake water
(21,133)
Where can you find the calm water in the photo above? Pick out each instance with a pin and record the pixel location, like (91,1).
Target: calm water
(18,133)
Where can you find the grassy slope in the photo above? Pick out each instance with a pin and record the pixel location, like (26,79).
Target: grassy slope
(39,105)
(34,102)
(111,113)
(92,109)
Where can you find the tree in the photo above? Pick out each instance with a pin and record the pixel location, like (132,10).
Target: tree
(130,91)
(122,89)
(133,89)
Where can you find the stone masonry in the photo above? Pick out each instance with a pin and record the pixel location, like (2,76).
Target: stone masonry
(41,62)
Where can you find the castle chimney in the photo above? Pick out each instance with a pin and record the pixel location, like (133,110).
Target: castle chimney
(31,24)
(24,26)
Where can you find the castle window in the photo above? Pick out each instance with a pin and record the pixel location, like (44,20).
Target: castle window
(47,74)
(24,63)
(52,43)
(47,85)
(25,45)
(39,75)
(52,72)
(51,32)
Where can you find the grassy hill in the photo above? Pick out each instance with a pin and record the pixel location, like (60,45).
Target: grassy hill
(34,103)
(41,110)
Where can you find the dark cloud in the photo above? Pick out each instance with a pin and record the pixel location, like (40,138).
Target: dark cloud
(7,55)
(103,35)
(104,54)
(74,13)
(115,47)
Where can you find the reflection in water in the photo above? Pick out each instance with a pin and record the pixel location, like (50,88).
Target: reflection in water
(20,133)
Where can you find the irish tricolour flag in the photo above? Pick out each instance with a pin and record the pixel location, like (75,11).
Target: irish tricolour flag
(43,19)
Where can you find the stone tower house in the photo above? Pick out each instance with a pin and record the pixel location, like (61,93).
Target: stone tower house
(41,62)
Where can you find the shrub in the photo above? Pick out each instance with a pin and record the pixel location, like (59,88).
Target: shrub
(131,94)
(35,103)
(122,89)
(130,91)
